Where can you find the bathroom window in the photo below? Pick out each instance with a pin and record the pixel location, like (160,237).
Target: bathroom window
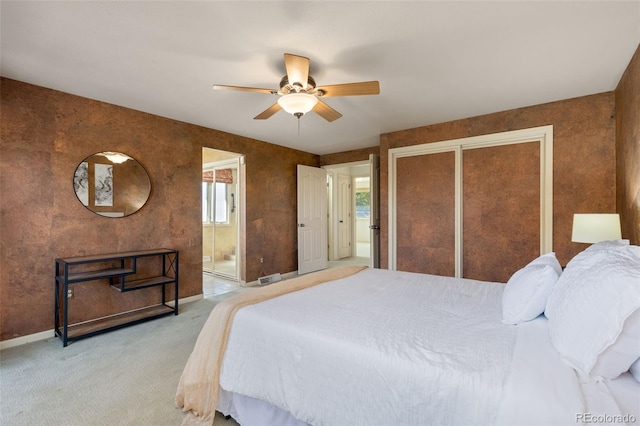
(215,204)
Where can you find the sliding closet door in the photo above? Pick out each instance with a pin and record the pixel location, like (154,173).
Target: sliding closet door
(479,207)
(500,209)
(425,207)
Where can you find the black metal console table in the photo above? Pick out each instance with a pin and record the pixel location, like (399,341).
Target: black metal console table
(122,275)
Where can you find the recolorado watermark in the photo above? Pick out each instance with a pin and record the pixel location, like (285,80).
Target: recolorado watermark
(605,418)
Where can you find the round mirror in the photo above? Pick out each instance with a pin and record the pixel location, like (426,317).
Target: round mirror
(111,184)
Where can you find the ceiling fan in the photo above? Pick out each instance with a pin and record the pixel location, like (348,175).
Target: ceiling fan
(299,94)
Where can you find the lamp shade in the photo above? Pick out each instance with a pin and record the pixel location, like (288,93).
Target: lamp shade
(297,103)
(595,227)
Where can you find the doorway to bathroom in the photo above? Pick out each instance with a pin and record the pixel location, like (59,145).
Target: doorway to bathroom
(221,208)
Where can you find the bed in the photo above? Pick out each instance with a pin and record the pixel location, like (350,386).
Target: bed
(377,347)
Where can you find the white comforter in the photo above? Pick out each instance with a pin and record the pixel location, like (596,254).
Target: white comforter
(376,348)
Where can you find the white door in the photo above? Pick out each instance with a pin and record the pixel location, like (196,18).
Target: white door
(374,217)
(344,216)
(312,219)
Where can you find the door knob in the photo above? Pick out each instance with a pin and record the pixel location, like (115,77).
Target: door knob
(301,225)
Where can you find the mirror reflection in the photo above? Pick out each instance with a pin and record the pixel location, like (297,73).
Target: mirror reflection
(111,184)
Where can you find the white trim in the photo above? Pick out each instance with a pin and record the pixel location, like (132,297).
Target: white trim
(211,165)
(392,177)
(458,212)
(43,335)
(236,163)
(185,300)
(546,188)
(346,165)
(23,340)
(542,134)
(333,170)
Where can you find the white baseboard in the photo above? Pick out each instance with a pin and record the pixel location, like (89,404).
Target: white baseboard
(186,300)
(23,340)
(289,275)
(43,335)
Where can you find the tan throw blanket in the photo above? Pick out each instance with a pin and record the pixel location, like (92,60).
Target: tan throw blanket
(198,388)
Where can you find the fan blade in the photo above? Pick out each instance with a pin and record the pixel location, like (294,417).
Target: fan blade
(244,89)
(297,69)
(268,112)
(351,89)
(326,112)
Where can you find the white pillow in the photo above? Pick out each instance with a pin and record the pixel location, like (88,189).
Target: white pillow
(526,293)
(635,370)
(590,303)
(618,357)
(605,245)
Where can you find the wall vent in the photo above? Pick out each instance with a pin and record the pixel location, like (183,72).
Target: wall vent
(269,279)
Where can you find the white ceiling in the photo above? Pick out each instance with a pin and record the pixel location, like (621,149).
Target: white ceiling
(436,60)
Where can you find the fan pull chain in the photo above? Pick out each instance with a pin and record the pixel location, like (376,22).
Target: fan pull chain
(298,114)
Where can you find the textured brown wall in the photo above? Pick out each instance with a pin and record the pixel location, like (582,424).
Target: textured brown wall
(628,149)
(583,164)
(46,134)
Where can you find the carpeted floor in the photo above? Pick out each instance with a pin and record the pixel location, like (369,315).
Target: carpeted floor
(124,377)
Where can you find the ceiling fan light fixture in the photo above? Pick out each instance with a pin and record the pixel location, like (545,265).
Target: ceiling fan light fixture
(297,104)
(298,99)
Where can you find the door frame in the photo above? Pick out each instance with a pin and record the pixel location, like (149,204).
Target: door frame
(374,220)
(238,161)
(332,173)
(543,135)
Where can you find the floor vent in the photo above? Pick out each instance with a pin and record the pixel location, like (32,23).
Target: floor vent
(269,279)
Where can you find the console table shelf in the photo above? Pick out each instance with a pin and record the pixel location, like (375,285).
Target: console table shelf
(121,277)
(95,275)
(142,283)
(92,327)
